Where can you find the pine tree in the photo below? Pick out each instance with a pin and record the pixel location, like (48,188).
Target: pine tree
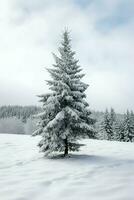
(132,125)
(128,127)
(66,115)
(107,126)
(114,124)
(112,116)
(121,131)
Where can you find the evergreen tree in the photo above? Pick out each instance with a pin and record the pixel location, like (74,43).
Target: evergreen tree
(132,125)
(128,127)
(120,134)
(114,123)
(107,125)
(66,115)
(112,117)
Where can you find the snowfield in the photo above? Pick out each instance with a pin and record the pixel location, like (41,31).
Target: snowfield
(102,170)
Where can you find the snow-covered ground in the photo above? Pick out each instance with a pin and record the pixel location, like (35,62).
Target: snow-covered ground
(102,170)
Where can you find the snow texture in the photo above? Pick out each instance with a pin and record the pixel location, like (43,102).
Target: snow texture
(102,170)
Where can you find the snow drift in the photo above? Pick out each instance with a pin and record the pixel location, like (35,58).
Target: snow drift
(102,170)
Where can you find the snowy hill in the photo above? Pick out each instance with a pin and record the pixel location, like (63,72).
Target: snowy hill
(102,170)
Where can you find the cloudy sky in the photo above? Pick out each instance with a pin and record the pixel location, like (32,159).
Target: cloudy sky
(102,34)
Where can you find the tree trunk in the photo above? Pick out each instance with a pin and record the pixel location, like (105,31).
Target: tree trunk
(66,148)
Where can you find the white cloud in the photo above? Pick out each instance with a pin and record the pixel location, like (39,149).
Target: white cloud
(30,31)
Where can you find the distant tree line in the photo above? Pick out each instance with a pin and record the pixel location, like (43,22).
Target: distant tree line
(20,112)
(116,127)
(18,119)
(109,125)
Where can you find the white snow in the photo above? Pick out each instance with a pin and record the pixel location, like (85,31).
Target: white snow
(102,170)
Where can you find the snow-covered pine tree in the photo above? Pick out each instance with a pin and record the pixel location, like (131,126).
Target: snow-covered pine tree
(114,123)
(66,115)
(132,125)
(128,127)
(120,131)
(107,126)
(112,116)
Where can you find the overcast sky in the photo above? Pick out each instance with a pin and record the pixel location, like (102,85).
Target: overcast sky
(102,34)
